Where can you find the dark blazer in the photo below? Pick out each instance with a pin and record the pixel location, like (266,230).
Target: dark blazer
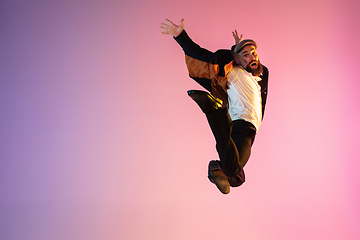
(211,69)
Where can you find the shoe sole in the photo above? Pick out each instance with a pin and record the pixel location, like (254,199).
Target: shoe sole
(217,100)
(220,181)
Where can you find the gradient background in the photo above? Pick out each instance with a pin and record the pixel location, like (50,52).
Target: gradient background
(99,140)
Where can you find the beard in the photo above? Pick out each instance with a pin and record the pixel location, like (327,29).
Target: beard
(255,71)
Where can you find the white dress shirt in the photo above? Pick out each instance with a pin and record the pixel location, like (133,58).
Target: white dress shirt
(244,95)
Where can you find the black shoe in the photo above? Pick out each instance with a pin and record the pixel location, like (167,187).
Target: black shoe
(205,100)
(216,175)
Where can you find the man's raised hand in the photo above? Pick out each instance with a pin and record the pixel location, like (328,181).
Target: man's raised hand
(236,37)
(171,28)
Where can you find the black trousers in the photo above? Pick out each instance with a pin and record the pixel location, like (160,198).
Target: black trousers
(233,143)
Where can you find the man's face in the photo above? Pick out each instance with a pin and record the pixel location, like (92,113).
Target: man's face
(249,54)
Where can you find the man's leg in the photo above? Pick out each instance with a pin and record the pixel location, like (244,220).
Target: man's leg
(233,143)
(243,134)
(212,106)
(221,126)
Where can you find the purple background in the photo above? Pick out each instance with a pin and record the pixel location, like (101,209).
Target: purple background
(99,140)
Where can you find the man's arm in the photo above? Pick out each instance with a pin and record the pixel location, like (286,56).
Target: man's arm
(190,48)
(193,50)
(200,61)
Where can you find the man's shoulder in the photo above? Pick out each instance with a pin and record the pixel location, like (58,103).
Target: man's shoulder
(265,68)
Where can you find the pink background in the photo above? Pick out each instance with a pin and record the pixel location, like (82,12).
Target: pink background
(99,140)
